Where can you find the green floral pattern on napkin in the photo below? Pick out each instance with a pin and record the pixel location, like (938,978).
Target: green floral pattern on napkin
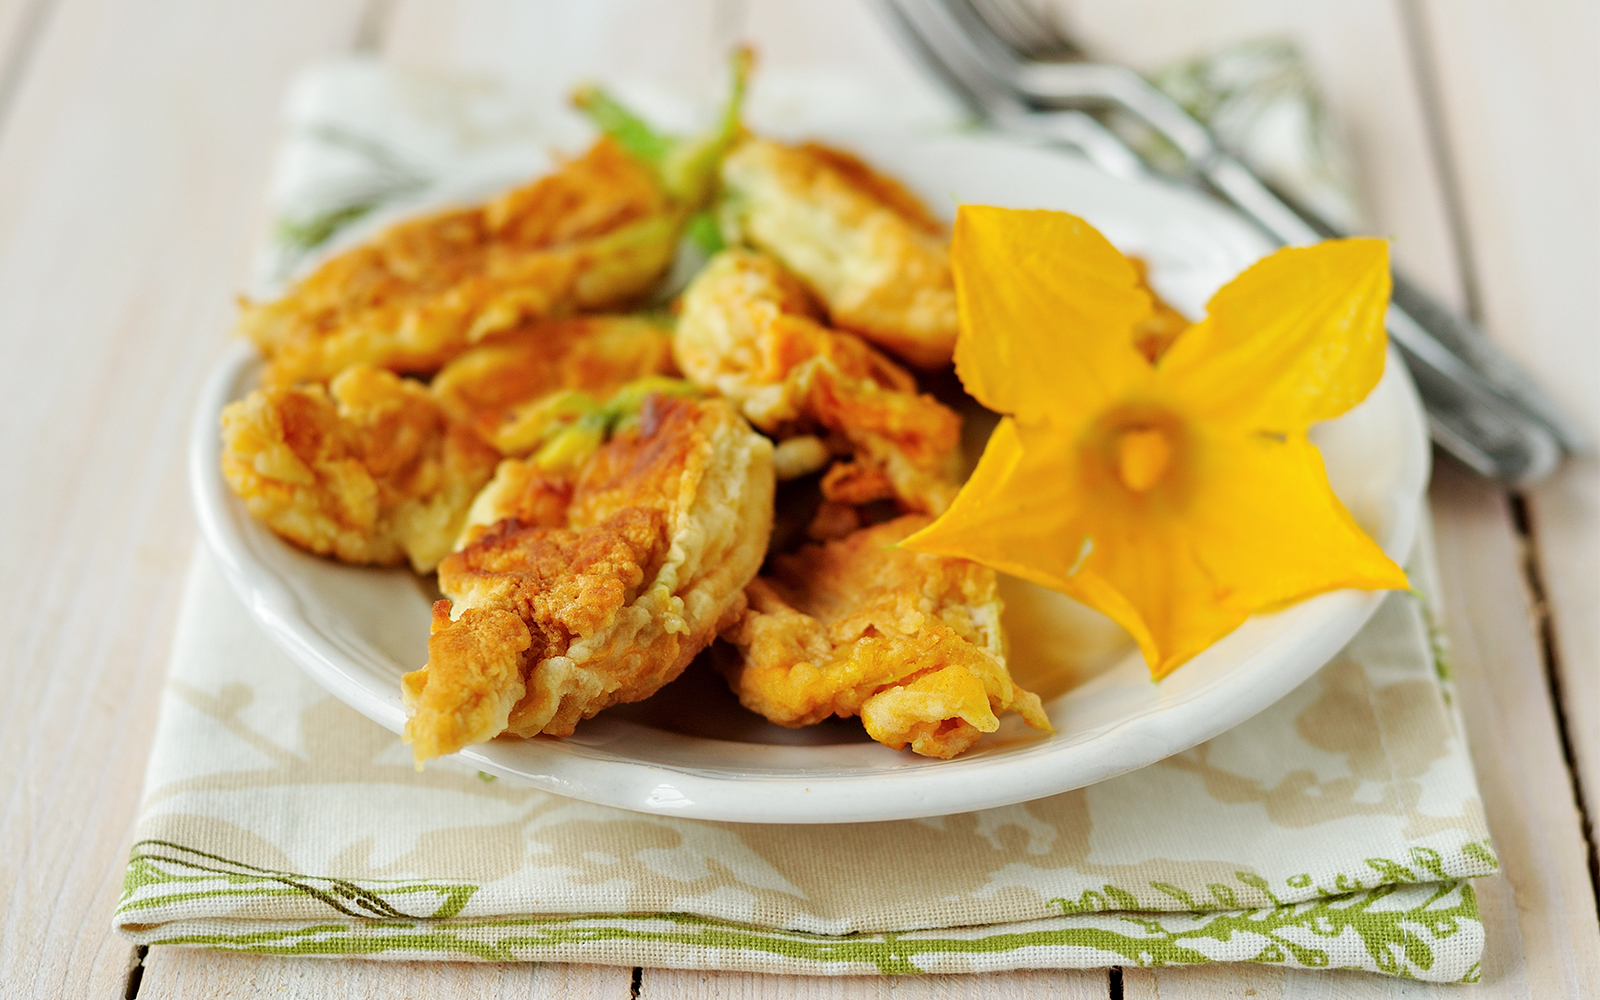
(1426,930)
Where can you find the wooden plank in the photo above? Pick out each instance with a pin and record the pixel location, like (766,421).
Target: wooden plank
(131,172)
(22,22)
(1520,90)
(545,47)
(1564,518)
(1069,984)
(191,974)
(1265,982)
(1497,662)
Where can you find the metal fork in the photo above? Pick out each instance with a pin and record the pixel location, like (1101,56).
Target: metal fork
(1482,407)
(990,97)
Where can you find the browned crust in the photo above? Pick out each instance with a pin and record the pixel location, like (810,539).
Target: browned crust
(613,601)
(418,293)
(909,642)
(369,471)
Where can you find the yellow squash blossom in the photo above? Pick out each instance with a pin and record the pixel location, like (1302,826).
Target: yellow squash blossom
(1178,497)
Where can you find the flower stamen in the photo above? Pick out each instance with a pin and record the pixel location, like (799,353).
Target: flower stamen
(1142,457)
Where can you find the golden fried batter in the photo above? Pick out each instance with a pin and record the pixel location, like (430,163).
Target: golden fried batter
(748,331)
(594,235)
(910,642)
(370,470)
(501,386)
(608,589)
(863,244)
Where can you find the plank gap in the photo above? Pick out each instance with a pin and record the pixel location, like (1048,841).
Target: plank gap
(19,55)
(1552,674)
(1419,42)
(136,974)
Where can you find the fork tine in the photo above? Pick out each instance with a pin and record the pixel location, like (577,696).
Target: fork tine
(986,45)
(1026,29)
(968,58)
(948,51)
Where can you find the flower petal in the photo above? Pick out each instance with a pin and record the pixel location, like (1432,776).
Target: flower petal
(1019,512)
(1296,338)
(1047,311)
(1255,527)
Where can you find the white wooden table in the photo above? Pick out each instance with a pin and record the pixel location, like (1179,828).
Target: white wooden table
(135,140)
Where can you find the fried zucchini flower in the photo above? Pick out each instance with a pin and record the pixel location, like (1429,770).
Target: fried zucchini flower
(368,470)
(909,642)
(597,585)
(597,234)
(863,245)
(1181,496)
(749,331)
(565,429)
(507,388)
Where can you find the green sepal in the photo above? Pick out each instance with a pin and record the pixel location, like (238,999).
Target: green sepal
(686,167)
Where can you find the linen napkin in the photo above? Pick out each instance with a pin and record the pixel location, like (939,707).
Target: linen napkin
(1336,829)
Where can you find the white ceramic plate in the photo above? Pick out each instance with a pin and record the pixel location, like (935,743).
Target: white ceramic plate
(692,751)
